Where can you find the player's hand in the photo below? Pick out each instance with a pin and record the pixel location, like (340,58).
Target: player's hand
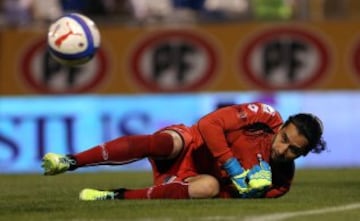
(238,175)
(259,176)
(254,193)
(239,181)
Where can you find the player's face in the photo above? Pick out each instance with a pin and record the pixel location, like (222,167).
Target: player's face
(288,144)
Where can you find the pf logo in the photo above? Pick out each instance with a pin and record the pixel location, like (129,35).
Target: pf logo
(44,75)
(173,61)
(284,58)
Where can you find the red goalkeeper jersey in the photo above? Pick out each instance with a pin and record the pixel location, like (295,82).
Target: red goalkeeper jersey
(241,131)
(244,131)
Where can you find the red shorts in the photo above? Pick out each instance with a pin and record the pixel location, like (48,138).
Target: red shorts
(194,159)
(183,166)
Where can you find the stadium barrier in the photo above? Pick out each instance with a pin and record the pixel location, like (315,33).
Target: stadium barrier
(213,57)
(32,126)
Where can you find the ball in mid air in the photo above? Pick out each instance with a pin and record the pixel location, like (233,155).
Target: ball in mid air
(73,39)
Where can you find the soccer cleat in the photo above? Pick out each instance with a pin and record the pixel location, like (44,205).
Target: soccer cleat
(56,163)
(93,194)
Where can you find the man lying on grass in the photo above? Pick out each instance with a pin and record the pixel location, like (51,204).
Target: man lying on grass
(239,151)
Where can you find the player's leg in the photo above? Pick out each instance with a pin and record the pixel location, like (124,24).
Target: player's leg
(165,144)
(166,184)
(196,187)
(203,186)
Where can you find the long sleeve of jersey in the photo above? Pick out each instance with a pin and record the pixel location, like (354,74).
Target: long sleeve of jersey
(215,125)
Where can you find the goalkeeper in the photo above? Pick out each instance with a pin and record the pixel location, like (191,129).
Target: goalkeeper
(239,151)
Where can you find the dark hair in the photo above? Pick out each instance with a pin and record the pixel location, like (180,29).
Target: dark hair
(311,127)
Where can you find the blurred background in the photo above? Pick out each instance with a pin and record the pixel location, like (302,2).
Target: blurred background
(171,61)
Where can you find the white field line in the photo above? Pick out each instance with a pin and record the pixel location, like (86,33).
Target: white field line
(284,215)
(266,217)
(287,215)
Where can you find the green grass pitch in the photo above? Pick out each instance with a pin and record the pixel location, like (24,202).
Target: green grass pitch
(321,194)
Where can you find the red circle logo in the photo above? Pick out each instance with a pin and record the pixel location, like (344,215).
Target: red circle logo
(173,61)
(284,58)
(45,75)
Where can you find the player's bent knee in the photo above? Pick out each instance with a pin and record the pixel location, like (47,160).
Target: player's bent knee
(203,186)
(178,143)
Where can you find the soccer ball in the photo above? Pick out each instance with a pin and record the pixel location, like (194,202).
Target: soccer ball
(73,39)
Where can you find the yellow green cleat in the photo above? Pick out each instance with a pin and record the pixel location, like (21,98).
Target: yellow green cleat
(53,163)
(93,194)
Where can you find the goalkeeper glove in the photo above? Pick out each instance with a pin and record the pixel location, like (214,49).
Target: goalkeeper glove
(237,174)
(260,176)
(254,193)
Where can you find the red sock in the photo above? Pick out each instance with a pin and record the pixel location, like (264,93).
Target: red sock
(175,190)
(127,149)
